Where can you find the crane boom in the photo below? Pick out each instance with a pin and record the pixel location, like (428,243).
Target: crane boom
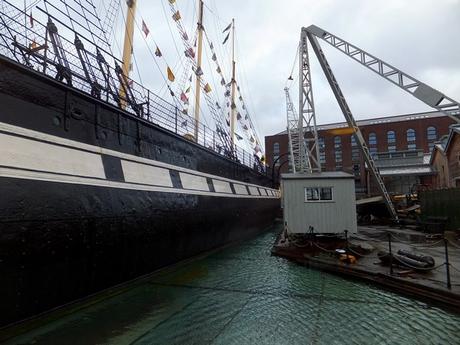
(421,91)
(352,123)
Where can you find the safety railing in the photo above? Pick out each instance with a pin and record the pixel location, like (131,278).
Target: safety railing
(87,67)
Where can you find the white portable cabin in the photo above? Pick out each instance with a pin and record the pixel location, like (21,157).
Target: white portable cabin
(325,201)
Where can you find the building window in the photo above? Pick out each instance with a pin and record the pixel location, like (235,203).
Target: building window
(431,136)
(372,144)
(372,151)
(276,153)
(372,139)
(410,136)
(318,194)
(338,150)
(391,140)
(356,169)
(391,137)
(322,150)
(431,133)
(354,149)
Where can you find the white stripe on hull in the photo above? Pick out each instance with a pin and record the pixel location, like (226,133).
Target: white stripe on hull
(28,158)
(146,174)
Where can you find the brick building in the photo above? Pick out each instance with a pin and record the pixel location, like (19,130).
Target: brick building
(339,151)
(445,160)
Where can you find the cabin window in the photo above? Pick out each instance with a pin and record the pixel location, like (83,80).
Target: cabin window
(318,194)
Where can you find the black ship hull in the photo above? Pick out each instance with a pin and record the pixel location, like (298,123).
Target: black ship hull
(92,196)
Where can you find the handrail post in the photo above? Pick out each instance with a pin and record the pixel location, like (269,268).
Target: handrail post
(175,120)
(449,286)
(204,135)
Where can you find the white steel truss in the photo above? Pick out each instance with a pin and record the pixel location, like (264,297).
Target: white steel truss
(293,133)
(307,133)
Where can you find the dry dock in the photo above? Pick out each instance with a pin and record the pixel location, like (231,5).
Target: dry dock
(431,285)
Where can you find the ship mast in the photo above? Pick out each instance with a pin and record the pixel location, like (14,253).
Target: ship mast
(127,45)
(233,105)
(198,75)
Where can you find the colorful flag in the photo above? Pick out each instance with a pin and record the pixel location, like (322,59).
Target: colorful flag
(245,127)
(190,53)
(238,116)
(238,137)
(188,90)
(171,76)
(214,57)
(185,111)
(252,139)
(207,88)
(158,52)
(176,16)
(227,28)
(185,36)
(222,81)
(226,38)
(199,71)
(183,98)
(218,70)
(211,45)
(145,29)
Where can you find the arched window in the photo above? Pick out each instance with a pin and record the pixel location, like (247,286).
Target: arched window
(354,149)
(391,140)
(372,139)
(431,136)
(391,137)
(410,135)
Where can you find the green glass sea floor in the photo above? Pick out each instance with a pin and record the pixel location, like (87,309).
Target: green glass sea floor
(242,295)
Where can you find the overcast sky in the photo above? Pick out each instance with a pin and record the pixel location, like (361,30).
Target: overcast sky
(420,37)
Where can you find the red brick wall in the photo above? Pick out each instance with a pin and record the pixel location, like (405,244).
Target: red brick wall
(453,158)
